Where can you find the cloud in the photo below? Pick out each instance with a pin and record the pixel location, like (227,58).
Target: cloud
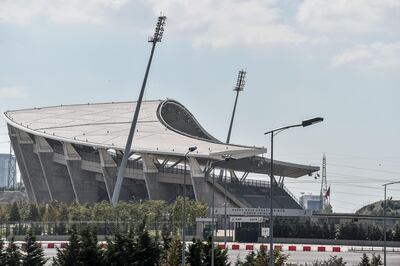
(58,11)
(17,92)
(225,22)
(354,16)
(374,55)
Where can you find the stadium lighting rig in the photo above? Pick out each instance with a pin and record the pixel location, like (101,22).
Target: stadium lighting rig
(158,34)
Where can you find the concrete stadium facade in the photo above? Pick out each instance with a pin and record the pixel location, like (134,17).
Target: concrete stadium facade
(72,153)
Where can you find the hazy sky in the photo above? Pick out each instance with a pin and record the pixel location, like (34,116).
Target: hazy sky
(337,59)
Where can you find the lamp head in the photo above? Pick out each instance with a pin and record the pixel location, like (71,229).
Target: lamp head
(312,121)
(192,149)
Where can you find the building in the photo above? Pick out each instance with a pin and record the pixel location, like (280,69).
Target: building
(72,152)
(7,168)
(311,202)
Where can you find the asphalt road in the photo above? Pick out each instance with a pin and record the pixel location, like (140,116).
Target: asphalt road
(300,258)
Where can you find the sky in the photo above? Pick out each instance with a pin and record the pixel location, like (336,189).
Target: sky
(338,59)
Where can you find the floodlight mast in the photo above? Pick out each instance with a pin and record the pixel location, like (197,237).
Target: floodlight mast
(158,33)
(238,88)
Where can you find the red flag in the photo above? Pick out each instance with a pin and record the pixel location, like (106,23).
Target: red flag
(328,192)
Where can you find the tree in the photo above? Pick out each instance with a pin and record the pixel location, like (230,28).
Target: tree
(396,236)
(195,253)
(13,255)
(14,213)
(90,252)
(34,254)
(376,260)
(120,251)
(173,256)
(2,253)
(70,256)
(147,250)
(220,256)
(334,261)
(364,260)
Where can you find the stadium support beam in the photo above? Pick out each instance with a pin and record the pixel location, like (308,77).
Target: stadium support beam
(21,163)
(109,168)
(56,175)
(83,184)
(155,189)
(201,187)
(32,166)
(121,171)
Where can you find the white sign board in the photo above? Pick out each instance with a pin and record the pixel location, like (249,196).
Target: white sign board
(259,212)
(243,219)
(265,231)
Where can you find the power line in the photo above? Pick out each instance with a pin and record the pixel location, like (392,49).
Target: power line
(366,169)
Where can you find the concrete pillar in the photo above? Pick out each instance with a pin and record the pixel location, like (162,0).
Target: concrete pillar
(84,183)
(32,166)
(155,189)
(21,163)
(202,188)
(56,175)
(109,168)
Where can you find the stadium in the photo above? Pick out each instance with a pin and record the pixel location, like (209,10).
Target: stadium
(72,153)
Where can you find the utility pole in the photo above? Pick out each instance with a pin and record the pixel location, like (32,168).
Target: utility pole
(158,33)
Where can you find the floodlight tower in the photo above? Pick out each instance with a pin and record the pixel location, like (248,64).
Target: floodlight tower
(324,185)
(238,88)
(158,33)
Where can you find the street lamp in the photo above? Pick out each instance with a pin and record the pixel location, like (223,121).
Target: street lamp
(274,132)
(191,149)
(384,220)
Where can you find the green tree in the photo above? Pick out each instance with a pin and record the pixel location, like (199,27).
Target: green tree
(147,250)
(90,252)
(2,253)
(195,253)
(120,250)
(173,256)
(334,261)
(364,260)
(34,254)
(220,256)
(12,254)
(70,256)
(396,236)
(376,260)
(14,213)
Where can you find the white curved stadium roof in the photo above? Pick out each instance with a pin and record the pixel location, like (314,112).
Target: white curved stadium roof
(107,125)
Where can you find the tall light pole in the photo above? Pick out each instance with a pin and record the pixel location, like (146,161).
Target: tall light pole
(191,149)
(274,132)
(158,33)
(384,220)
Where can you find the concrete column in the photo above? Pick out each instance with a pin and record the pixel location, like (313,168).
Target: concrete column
(32,166)
(155,189)
(56,175)
(202,188)
(21,163)
(109,168)
(84,183)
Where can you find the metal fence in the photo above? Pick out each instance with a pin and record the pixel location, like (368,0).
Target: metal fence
(103,228)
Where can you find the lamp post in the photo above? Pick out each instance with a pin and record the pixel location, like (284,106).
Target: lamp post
(274,132)
(191,149)
(384,220)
